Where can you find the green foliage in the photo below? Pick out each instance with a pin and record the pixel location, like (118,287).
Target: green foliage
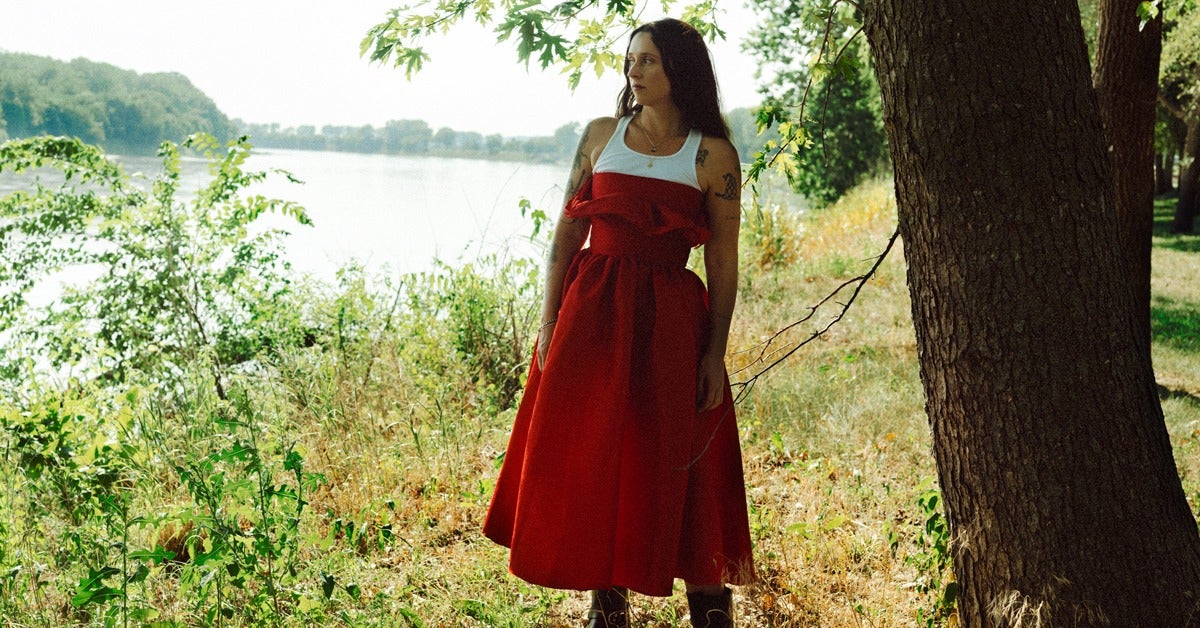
(99,103)
(931,560)
(1089,18)
(87,456)
(1179,79)
(578,35)
(71,449)
(820,98)
(249,488)
(1147,11)
(128,567)
(1180,74)
(482,314)
(75,457)
(168,282)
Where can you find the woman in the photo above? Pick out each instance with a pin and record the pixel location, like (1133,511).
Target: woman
(623,471)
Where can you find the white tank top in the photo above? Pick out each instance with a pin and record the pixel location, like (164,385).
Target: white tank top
(679,167)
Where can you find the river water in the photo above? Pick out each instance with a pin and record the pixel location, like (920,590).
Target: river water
(391,213)
(402,212)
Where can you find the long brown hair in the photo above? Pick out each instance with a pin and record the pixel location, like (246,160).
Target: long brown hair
(689,69)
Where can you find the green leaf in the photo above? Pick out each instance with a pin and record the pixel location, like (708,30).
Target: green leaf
(833,523)
(474,609)
(950,595)
(1148,10)
(96,596)
(414,620)
(293,462)
(91,590)
(138,575)
(157,555)
(327,585)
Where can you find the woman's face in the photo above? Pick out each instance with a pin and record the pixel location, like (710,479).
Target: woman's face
(646,75)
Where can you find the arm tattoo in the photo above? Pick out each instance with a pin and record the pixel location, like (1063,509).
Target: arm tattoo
(576,177)
(731,187)
(701,155)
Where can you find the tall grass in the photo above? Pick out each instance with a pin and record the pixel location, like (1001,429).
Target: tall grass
(345,479)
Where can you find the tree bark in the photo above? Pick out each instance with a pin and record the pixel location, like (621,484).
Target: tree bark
(1185,207)
(1126,82)
(1058,479)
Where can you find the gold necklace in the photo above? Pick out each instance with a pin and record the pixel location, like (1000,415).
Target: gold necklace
(653,144)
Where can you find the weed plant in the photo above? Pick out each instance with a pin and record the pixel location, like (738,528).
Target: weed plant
(342,474)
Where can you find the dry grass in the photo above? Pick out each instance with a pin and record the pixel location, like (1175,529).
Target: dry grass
(836,451)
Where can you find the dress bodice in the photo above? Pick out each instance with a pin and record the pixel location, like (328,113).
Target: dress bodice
(641,217)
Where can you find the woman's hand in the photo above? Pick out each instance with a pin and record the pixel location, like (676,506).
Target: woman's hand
(545,334)
(710,381)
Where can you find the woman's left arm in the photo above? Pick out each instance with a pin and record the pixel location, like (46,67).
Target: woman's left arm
(720,177)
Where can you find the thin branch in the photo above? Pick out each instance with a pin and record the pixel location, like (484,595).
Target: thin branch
(779,355)
(829,90)
(808,87)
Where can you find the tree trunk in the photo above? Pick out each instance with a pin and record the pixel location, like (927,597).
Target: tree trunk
(1163,174)
(1185,207)
(1126,82)
(1061,492)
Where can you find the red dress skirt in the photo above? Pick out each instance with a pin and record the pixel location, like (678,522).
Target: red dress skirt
(612,477)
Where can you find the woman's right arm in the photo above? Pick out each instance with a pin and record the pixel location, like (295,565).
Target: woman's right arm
(569,233)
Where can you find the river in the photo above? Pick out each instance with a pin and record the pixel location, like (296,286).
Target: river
(402,212)
(391,213)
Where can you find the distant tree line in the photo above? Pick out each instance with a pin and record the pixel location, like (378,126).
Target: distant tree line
(124,111)
(416,137)
(102,104)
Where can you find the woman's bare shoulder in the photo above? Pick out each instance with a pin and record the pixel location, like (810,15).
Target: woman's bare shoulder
(596,135)
(603,123)
(716,156)
(600,129)
(719,148)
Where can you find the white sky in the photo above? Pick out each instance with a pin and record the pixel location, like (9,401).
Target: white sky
(296,62)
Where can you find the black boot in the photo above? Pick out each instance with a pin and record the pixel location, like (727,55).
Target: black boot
(711,611)
(610,608)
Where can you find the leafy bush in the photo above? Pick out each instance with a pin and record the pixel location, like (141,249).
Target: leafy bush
(168,283)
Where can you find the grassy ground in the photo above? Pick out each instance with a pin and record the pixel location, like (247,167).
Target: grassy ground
(395,456)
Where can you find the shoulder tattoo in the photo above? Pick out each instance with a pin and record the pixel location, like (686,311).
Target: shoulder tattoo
(576,177)
(731,187)
(701,155)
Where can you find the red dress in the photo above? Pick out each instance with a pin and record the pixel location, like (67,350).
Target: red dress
(612,477)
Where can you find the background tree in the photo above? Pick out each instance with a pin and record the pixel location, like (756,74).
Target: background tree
(444,138)
(1054,460)
(1169,136)
(1180,96)
(494,143)
(1128,46)
(743,131)
(471,140)
(407,136)
(833,108)
(97,102)
(566,138)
